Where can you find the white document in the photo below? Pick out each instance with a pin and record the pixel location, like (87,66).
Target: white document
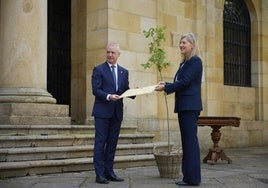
(138,91)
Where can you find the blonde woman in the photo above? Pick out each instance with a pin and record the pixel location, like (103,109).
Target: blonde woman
(188,105)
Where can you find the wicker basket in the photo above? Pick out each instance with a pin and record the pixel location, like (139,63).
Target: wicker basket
(168,164)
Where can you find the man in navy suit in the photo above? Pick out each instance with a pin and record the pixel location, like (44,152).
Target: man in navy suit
(109,81)
(188,104)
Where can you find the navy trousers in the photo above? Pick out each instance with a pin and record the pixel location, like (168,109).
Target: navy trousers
(191,170)
(106,137)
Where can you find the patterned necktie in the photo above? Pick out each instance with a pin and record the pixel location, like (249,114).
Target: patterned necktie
(114,76)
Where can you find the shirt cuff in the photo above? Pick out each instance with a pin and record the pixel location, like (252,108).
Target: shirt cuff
(108,97)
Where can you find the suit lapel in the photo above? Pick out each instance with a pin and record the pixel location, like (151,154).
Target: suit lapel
(119,75)
(181,67)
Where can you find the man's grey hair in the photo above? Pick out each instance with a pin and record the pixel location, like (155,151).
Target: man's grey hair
(114,44)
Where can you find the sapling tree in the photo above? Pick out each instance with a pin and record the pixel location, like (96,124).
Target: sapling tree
(157,58)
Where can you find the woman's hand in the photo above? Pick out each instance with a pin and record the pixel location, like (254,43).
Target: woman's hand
(160,86)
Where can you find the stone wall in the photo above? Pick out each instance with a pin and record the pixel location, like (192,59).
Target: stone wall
(124,20)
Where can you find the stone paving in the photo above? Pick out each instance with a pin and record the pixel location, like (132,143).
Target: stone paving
(248,170)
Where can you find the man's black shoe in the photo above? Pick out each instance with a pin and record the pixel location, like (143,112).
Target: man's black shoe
(114,178)
(102,180)
(182,183)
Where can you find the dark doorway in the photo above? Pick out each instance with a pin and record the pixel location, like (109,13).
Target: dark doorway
(59,50)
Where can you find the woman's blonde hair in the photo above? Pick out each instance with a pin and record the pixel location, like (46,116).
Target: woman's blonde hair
(190,37)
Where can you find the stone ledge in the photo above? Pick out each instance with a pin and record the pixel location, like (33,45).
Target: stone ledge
(55,129)
(69,152)
(34,120)
(65,140)
(34,114)
(15,169)
(33,109)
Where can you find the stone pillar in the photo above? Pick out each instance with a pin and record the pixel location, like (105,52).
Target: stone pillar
(23,62)
(23,55)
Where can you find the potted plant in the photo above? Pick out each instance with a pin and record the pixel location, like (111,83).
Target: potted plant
(168,163)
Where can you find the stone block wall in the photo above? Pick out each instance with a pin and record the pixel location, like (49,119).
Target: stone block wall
(124,20)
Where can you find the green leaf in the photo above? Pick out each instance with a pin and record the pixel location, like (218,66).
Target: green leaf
(157,53)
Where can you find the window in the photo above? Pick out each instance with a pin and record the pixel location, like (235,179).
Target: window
(237,43)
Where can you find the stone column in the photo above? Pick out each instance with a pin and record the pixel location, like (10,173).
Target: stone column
(23,60)
(23,54)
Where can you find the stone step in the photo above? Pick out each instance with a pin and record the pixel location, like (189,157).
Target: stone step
(68,152)
(42,149)
(66,140)
(34,109)
(25,120)
(24,168)
(34,114)
(21,130)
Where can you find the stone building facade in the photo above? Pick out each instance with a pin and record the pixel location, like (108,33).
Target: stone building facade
(24,97)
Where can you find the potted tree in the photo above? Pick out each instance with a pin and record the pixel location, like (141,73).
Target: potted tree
(168,163)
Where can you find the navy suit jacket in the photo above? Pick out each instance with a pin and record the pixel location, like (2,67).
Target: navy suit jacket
(187,86)
(102,85)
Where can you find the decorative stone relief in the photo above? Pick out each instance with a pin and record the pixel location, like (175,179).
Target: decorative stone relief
(27,6)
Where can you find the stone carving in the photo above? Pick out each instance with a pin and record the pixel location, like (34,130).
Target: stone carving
(27,6)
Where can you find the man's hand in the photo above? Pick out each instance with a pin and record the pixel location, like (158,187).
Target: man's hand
(114,97)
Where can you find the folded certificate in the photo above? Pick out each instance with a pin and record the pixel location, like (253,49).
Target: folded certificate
(138,91)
